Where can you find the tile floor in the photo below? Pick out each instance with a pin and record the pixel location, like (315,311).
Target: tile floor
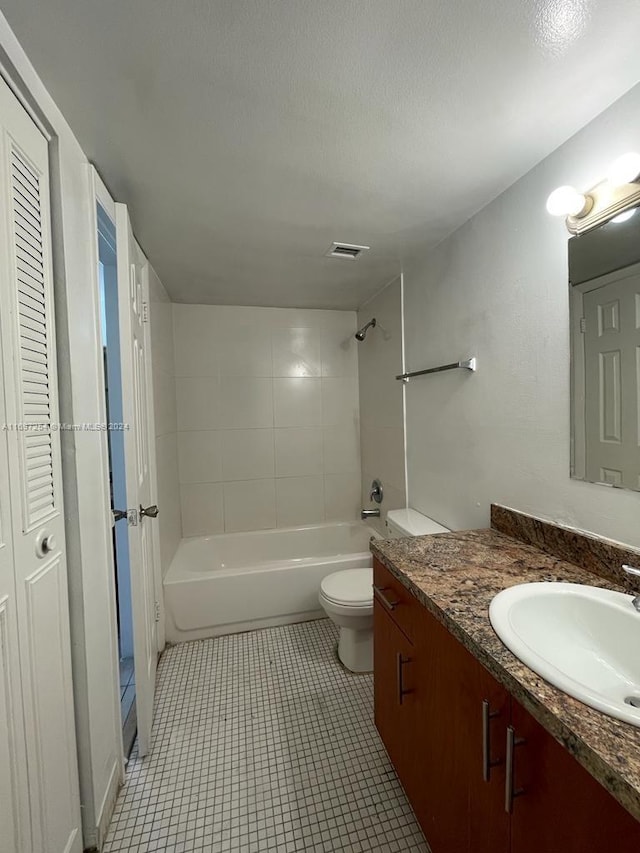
(262,742)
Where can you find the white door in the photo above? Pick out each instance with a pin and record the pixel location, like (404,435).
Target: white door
(35,483)
(14,797)
(612,381)
(136,397)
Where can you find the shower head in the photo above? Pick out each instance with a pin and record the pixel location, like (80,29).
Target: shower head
(361,334)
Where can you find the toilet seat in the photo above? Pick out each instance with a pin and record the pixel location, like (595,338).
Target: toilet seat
(351,588)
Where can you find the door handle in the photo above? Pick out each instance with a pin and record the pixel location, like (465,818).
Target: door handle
(400,662)
(509,792)
(45,544)
(487,763)
(378,591)
(119,514)
(149,511)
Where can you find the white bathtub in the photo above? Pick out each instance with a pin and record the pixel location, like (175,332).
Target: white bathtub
(235,582)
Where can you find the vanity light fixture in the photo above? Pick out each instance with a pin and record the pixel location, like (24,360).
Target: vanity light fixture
(611,199)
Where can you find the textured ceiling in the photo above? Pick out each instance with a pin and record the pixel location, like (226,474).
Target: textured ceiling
(247,135)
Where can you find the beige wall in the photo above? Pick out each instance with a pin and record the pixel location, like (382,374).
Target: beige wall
(164,402)
(267,408)
(497,289)
(381,406)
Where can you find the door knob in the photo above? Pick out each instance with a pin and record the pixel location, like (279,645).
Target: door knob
(45,544)
(149,511)
(119,514)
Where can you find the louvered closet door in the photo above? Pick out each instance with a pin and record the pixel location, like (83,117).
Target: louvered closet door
(136,403)
(14,796)
(40,577)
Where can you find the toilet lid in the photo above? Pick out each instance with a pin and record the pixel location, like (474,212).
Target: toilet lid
(352,587)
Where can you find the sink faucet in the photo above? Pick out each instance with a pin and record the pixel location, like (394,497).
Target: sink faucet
(631,570)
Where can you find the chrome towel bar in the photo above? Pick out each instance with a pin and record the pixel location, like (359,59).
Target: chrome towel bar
(467,364)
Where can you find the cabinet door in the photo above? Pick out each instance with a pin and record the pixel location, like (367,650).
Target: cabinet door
(558,805)
(458,808)
(394,665)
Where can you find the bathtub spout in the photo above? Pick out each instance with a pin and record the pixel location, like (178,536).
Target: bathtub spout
(370,513)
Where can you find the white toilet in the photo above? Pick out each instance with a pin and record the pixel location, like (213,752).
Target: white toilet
(347,596)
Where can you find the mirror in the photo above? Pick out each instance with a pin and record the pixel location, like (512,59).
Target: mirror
(604,282)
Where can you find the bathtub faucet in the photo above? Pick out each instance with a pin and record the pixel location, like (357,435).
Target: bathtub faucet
(370,513)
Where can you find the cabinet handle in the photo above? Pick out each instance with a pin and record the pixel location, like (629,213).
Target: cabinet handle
(487,763)
(509,792)
(400,662)
(378,591)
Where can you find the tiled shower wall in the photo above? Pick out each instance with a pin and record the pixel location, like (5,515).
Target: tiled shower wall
(164,403)
(267,416)
(381,405)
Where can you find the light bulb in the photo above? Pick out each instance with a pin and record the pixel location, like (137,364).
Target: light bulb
(622,217)
(566,201)
(625,169)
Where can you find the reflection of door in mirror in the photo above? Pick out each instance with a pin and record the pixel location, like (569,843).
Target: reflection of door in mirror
(604,279)
(612,365)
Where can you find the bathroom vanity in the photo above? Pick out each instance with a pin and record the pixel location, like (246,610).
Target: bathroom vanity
(492,758)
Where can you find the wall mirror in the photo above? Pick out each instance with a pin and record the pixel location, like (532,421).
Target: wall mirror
(604,283)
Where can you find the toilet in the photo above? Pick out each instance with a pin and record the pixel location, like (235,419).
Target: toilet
(347,596)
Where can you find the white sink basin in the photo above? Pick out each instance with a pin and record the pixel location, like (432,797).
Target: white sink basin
(582,639)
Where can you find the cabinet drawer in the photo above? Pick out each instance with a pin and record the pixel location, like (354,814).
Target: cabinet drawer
(394,598)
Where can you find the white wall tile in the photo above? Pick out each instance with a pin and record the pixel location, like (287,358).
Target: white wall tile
(296,352)
(197,402)
(199,457)
(195,340)
(165,420)
(339,347)
(202,509)
(168,496)
(299,500)
(250,398)
(297,402)
(298,451)
(339,401)
(247,454)
(245,403)
(297,318)
(341,449)
(342,497)
(164,402)
(381,399)
(249,505)
(245,351)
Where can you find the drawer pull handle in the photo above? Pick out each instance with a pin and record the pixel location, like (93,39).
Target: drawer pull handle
(378,591)
(509,792)
(487,763)
(400,662)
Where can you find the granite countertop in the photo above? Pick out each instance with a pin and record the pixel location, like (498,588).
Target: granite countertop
(455,576)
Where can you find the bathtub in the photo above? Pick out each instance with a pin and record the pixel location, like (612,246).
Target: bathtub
(235,582)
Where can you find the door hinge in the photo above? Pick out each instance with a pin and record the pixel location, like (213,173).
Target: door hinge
(583,324)
(145,312)
(157,611)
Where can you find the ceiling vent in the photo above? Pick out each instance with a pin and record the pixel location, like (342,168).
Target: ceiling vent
(346,250)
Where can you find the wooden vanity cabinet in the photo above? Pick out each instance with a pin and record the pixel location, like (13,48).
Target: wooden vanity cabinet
(395,694)
(562,807)
(436,740)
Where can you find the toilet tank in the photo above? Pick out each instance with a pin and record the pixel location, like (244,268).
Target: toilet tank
(409,522)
